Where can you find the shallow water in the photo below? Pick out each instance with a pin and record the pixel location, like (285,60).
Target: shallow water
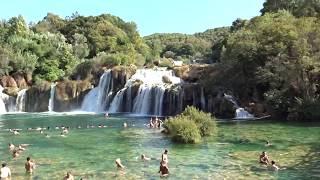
(90,152)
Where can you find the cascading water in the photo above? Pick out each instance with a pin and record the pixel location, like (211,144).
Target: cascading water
(241,113)
(149,98)
(51,99)
(2,104)
(21,100)
(98,99)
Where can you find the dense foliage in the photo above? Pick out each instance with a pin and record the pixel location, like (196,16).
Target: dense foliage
(52,48)
(190,126)
(186,48)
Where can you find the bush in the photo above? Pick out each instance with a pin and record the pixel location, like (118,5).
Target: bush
(183,130)
(204,121)
(190,126)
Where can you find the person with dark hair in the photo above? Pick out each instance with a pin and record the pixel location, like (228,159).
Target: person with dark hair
(145,158)
(11,146)
(164,169)
(164,157)
(5,172)
(69,176)
(274,166)
(29,165)
(264,159)
(119,164)
(15,153)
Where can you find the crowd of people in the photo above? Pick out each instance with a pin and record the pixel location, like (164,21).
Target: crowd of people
(155,122)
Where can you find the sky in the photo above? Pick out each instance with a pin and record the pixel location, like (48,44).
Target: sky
(151,16)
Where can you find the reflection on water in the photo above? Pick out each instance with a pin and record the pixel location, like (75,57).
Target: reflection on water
(90,152)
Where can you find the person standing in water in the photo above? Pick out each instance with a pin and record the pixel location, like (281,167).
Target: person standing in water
(264,159)
(164,170)
(164,157)
(29,165)
(5,172)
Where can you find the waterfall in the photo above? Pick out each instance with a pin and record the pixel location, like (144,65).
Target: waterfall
(116,103)
(241,113)
(51,99)
(150,95)
(2,104)
(98,99)
(20,101)
(203,100)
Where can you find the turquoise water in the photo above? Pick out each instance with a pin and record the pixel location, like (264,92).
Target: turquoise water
(89,153)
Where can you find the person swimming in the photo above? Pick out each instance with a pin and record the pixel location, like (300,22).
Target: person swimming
(274,167)
(15,154)
(118,164)
(268,143)
(263,158)
(69,176)
(145,158)
(125,125)
(11,146)
(29,165)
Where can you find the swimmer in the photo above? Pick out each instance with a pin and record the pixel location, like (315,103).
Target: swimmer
(69,176)
(118,164)
(15,154)
(15,132)
(145,158)
(65,131)
(164,157)
(274,167)
(268,143)
(106,114)
(125,125)
(41,131)
(62,135)
(57,127)
(11,146)
(47,135)
(264,159)
(20,148)
(29,165)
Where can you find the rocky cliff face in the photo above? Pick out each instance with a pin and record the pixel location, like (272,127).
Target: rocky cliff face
(37,98)
(69,95)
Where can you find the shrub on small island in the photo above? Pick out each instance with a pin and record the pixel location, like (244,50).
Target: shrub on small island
(190,126)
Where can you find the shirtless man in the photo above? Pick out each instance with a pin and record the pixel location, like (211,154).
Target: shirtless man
(5,172)
(69,176)
(29,165)
(264,159)
(164,157)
